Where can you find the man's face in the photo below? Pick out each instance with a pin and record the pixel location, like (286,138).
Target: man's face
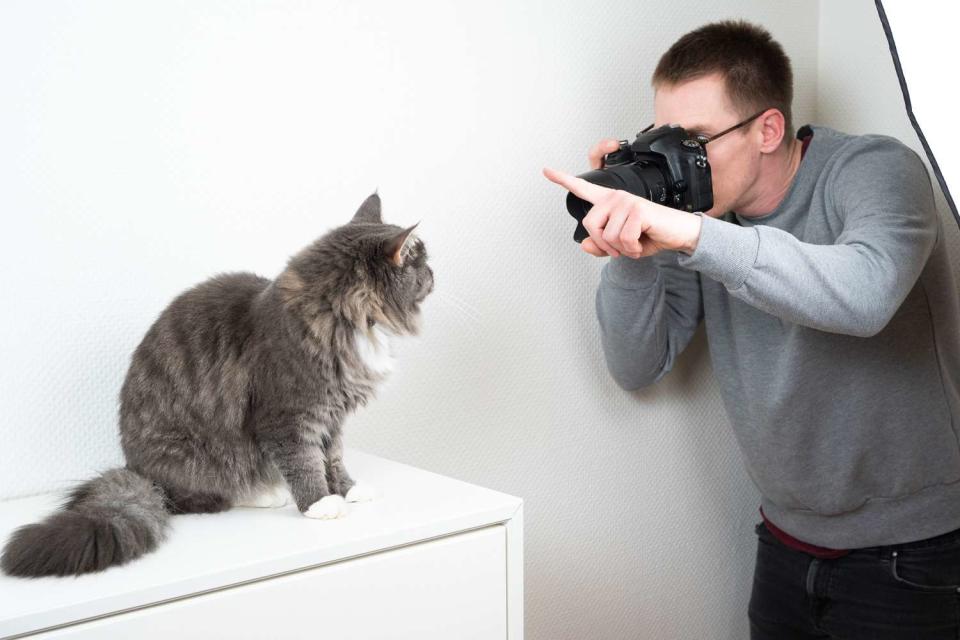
(700,106)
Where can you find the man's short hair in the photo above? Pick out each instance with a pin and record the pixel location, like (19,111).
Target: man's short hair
(755,69)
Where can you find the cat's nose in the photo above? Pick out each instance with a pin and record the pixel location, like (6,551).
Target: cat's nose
(426,287)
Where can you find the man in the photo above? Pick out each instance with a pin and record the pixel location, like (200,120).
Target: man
(833,321)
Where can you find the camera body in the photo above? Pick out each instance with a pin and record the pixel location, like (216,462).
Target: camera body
(666,165)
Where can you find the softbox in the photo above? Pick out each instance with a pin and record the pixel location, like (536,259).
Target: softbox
(921,38)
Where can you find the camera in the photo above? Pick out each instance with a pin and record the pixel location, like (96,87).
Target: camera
(666,165)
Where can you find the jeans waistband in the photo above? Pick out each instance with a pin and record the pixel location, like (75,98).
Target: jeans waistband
(943,540)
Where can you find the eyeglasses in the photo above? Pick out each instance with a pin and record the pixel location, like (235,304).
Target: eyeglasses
(703,140)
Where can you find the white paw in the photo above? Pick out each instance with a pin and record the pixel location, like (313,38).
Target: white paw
(361,493)
(280,496)
(327,508)
(269,498)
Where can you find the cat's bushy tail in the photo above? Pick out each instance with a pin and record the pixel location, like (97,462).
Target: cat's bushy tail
(114,518)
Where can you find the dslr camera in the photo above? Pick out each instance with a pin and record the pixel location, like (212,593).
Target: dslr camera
(666,165)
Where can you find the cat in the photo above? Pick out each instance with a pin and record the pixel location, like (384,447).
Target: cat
(236,396)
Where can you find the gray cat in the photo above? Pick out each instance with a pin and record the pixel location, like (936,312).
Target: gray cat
(237,394)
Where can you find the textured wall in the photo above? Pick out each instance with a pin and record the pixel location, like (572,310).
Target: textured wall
(148,146)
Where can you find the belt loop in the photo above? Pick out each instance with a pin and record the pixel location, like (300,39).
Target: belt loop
(812,576)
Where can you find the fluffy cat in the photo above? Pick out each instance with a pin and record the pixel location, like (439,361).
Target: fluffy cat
(237,394)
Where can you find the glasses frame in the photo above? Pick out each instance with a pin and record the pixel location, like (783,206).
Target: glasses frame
(704,139)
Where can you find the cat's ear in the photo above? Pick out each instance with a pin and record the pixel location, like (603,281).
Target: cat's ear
(393,246)
(369,211)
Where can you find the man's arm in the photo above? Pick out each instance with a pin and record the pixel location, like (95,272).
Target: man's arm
(649,309)
(854,286)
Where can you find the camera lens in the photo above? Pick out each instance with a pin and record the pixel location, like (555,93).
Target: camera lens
(643,179)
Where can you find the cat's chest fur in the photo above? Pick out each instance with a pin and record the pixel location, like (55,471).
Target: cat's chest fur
(375,350)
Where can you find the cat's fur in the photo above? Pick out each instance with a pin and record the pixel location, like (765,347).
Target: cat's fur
(238,389)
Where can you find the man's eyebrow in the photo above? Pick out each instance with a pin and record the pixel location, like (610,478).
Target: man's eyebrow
(698,128)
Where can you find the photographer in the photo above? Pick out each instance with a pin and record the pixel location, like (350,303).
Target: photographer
(832,316)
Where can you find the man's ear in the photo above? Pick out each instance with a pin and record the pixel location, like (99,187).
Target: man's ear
(773,128)
(393,246)
(369,211)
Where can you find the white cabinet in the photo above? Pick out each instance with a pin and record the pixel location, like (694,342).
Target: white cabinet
(432,557)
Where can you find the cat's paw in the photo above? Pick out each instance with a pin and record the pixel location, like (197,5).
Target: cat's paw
(327,508)
(269,498)
(279,497)
(361,493)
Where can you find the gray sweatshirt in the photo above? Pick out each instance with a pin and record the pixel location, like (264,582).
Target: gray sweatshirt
(834,331)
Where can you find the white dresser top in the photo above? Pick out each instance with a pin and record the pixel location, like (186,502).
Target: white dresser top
(211,551)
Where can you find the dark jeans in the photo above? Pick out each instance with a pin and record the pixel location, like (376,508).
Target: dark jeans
(908,591)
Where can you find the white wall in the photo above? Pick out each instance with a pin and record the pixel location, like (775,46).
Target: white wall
(147,146)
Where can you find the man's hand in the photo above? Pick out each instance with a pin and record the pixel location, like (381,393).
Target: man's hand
(602,148)
(618,220)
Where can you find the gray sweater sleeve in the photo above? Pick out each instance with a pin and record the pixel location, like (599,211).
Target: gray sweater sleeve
(648,310)
(889,226)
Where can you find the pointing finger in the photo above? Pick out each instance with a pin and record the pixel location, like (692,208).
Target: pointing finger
(588,191)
